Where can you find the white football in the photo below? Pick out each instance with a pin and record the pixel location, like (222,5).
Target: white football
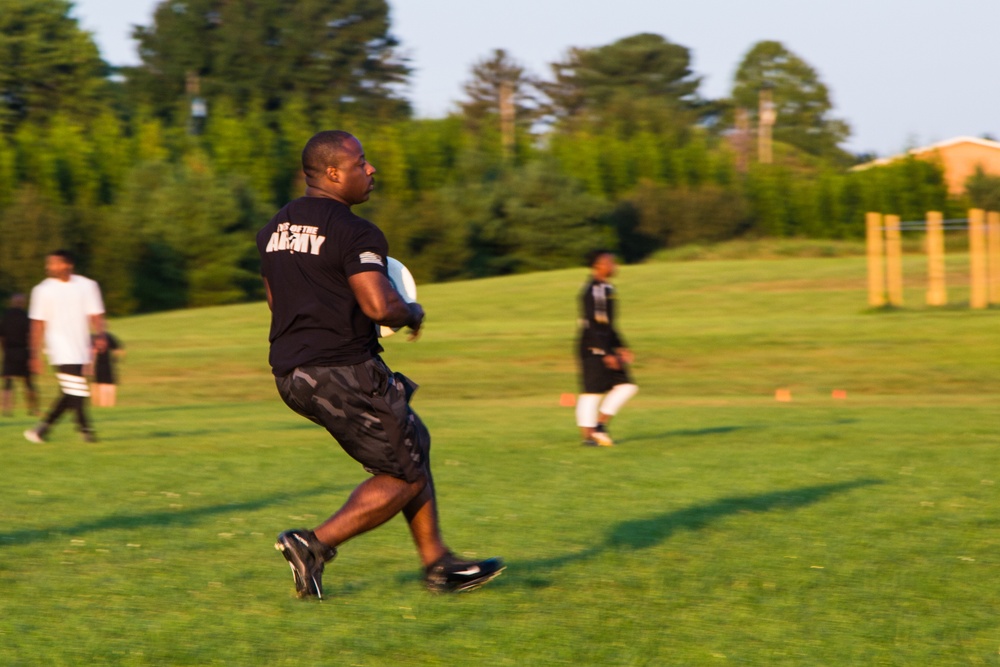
(402,281)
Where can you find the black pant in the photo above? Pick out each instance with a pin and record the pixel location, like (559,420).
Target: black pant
(74,377)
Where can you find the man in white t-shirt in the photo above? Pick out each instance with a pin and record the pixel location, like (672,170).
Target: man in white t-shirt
(64,310)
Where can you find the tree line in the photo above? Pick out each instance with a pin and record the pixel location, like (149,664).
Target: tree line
(159,175)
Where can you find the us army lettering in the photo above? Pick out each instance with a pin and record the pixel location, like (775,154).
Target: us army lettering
(296,238)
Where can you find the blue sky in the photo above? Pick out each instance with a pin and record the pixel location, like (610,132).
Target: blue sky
(902,72)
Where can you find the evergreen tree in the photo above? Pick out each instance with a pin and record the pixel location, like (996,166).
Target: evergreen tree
(535,219)
(8,171)
(244,145)
(47,64)
(494,78)
(30,228)
(669,216)
(68,154)
(984,190)
(639,79)
(111,158)
(335,54)
(800,98)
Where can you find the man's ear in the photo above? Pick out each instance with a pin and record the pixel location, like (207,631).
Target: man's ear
(332,174)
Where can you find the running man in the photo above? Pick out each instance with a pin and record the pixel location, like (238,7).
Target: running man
(326,279)
(604,357)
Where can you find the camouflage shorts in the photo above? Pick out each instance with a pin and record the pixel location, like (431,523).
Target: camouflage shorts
(366,407)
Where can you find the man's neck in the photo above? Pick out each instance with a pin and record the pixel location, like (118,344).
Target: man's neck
(312,191)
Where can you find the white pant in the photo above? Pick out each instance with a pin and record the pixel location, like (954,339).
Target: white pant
(589,405)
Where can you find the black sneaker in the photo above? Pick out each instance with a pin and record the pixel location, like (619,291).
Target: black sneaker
(88,435)
(306,555)
(449,574)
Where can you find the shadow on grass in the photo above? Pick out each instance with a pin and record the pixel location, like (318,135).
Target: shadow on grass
(165,519)
(718,430)
(235,428)
(639,534)
(686,433)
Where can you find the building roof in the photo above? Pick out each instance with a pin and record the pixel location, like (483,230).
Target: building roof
(960,158)
(922,150)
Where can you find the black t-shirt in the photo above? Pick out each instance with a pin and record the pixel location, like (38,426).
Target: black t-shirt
(14,328)
(307,252)
(104,370)
(597,319)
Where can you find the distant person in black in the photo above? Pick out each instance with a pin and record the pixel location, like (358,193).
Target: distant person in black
(105,393)
(326,279)
(604,357)
(15,337)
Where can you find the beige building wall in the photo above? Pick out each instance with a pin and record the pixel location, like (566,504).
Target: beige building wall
(961,158)
(958,157)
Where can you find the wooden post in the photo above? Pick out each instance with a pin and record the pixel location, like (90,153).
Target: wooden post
(876,272)
(767,114)
(893,260)
(742,140)
(978,295)
(507,112)
(937,294)
(993,255)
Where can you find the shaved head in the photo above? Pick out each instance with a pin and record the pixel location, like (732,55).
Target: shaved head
(324,150)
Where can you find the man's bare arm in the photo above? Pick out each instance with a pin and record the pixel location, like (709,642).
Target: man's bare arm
(380,302)
(97,328)
(37,336)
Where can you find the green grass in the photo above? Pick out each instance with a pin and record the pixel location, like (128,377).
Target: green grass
(726,527)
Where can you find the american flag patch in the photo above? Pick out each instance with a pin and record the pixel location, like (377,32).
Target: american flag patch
(370,258)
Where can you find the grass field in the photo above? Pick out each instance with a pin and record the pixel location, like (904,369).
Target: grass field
(725,529)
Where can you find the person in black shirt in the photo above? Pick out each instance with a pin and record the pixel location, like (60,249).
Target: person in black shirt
(105,393)
(15,330)
(326,279)
(604,357)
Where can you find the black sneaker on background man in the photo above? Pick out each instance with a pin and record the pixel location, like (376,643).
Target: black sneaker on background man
(306,555)
(449,574)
